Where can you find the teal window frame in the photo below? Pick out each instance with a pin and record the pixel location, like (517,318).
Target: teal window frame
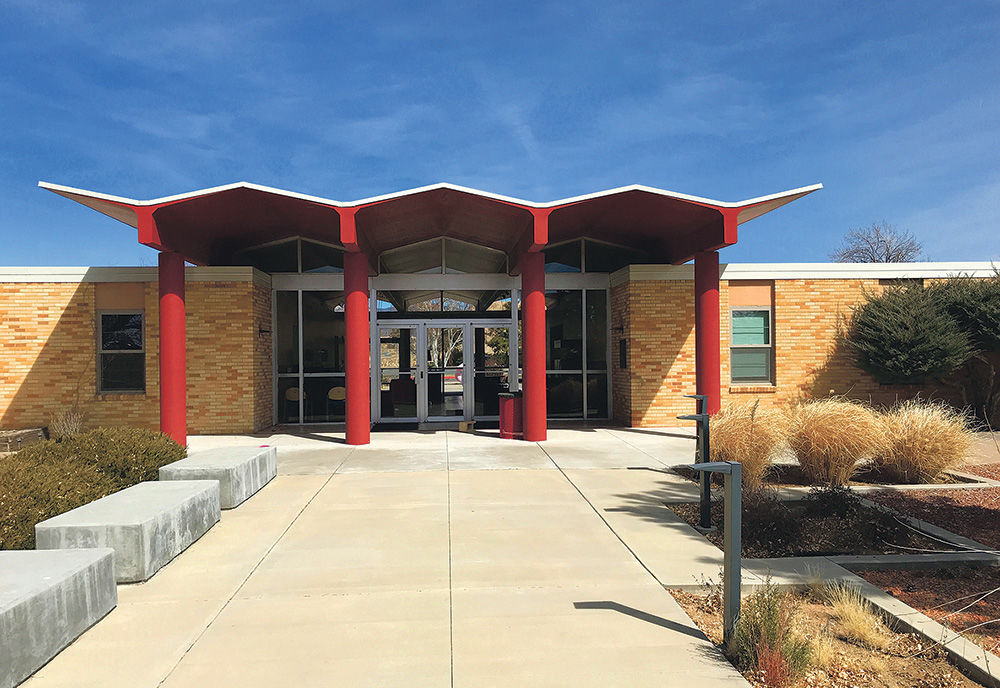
(767,379)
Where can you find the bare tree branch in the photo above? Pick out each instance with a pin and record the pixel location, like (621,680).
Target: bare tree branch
(878,243)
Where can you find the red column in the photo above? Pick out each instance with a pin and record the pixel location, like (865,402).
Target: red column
(357,348)
(706,328)
(533,324)
(173,377)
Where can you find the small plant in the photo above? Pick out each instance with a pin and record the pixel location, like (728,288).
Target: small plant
(832,438)
(764,640)
(751,435)
(923,439)
(855,618)
(67,422)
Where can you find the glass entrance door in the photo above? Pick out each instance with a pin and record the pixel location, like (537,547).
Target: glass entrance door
(437,371)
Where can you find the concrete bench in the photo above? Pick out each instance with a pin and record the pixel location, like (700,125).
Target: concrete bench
(147,524)
(241,471)
(47,599)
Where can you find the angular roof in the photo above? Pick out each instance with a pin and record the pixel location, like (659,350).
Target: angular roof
(210,225)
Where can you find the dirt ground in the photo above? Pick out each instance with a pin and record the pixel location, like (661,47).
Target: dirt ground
(909,662)
(959,598)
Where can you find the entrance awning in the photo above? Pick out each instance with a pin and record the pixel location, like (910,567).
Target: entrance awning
(208,227)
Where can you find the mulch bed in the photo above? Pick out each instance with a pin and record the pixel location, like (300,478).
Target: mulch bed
(827,526)
(972,513)
(941,593)
(908,661)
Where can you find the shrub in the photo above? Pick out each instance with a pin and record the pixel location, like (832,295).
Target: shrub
(923,439)
(855,618)
(751,435)
(67,423)
(832,437)
(764,640)
(51,477)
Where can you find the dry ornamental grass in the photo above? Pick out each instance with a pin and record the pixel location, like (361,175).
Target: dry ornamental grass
(751,435)
(832,438)
(923,439)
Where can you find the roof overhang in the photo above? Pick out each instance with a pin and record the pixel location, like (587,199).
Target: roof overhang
(210,225)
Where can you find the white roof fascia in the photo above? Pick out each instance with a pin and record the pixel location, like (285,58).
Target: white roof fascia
(227,273)
(797,271)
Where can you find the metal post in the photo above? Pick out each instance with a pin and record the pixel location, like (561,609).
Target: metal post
(703,454)
(731,573)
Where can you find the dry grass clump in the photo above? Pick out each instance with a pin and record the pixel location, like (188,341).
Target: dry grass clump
(923,439)
(751,435)
(831,438)
(764,640)
(855,618)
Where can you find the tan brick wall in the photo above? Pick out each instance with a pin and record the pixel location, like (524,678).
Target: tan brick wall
(810,359)
(262,351)
(48,357)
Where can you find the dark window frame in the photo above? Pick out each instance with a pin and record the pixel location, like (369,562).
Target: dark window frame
(102,352)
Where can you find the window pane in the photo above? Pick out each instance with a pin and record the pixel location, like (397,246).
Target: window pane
(321,258)
(564,322)
(564,395)
(325,399)
(287,334)
(323,331)
(123,372)
(564,258)
(597,329)
(597,396)
(607,258)
(751,328)
(121,331)
(750,365)
(288,399)
(282,257)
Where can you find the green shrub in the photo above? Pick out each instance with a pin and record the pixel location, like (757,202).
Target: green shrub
(764,640)
(51,477)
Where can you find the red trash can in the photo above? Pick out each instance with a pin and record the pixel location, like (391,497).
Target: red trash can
(511,416)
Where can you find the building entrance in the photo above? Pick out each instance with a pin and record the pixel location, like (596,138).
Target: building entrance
(442,370)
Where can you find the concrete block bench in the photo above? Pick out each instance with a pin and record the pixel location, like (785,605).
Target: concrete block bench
(47,599)
(241,471)
(147,524)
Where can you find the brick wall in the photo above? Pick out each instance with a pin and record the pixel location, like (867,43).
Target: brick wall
(810,359)
(48,357)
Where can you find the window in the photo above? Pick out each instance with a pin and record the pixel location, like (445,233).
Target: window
(121,358)
(750,353)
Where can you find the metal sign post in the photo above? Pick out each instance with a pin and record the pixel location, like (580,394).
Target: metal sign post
(703,454)
(732,542)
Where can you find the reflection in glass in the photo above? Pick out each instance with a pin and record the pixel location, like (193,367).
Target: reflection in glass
(563,258)
(288,399)
(564,322)
(283,257)
(597,395)
(491,363)
(564,395)
(397,386)
(287,334)
(445,358)
(321,258)
(597,329)
(325,400)
(608,258)
(323,331)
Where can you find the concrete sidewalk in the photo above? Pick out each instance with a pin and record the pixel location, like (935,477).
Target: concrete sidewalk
(419,561)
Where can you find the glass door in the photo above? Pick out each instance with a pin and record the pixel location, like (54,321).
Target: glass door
(398,373)
(445,380)
(491,368)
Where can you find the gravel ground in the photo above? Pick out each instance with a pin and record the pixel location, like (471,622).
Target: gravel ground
(974,513)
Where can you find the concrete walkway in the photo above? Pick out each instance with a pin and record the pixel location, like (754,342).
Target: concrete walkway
(418,561)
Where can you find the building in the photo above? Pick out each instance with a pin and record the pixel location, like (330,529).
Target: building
(406,308)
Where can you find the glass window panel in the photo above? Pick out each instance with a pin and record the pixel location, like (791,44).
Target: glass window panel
(488,386)
(321,258)
(608,258)
(287,333)
(597,396)
(564,322)
(445,356)
(424,257)
(751,328)
(564,395)
(492,348)
(282,257)
(597,329)
(288,399)
(123,372)
(398,387)
(325,399)
(750,365)
(563,258)
(461,257)
(323,331)
(121,331)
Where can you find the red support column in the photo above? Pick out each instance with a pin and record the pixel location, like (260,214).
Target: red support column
(357,348)
(173,376)
(533,324)
(706,328)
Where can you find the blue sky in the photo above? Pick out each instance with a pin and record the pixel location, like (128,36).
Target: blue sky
(893,106)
